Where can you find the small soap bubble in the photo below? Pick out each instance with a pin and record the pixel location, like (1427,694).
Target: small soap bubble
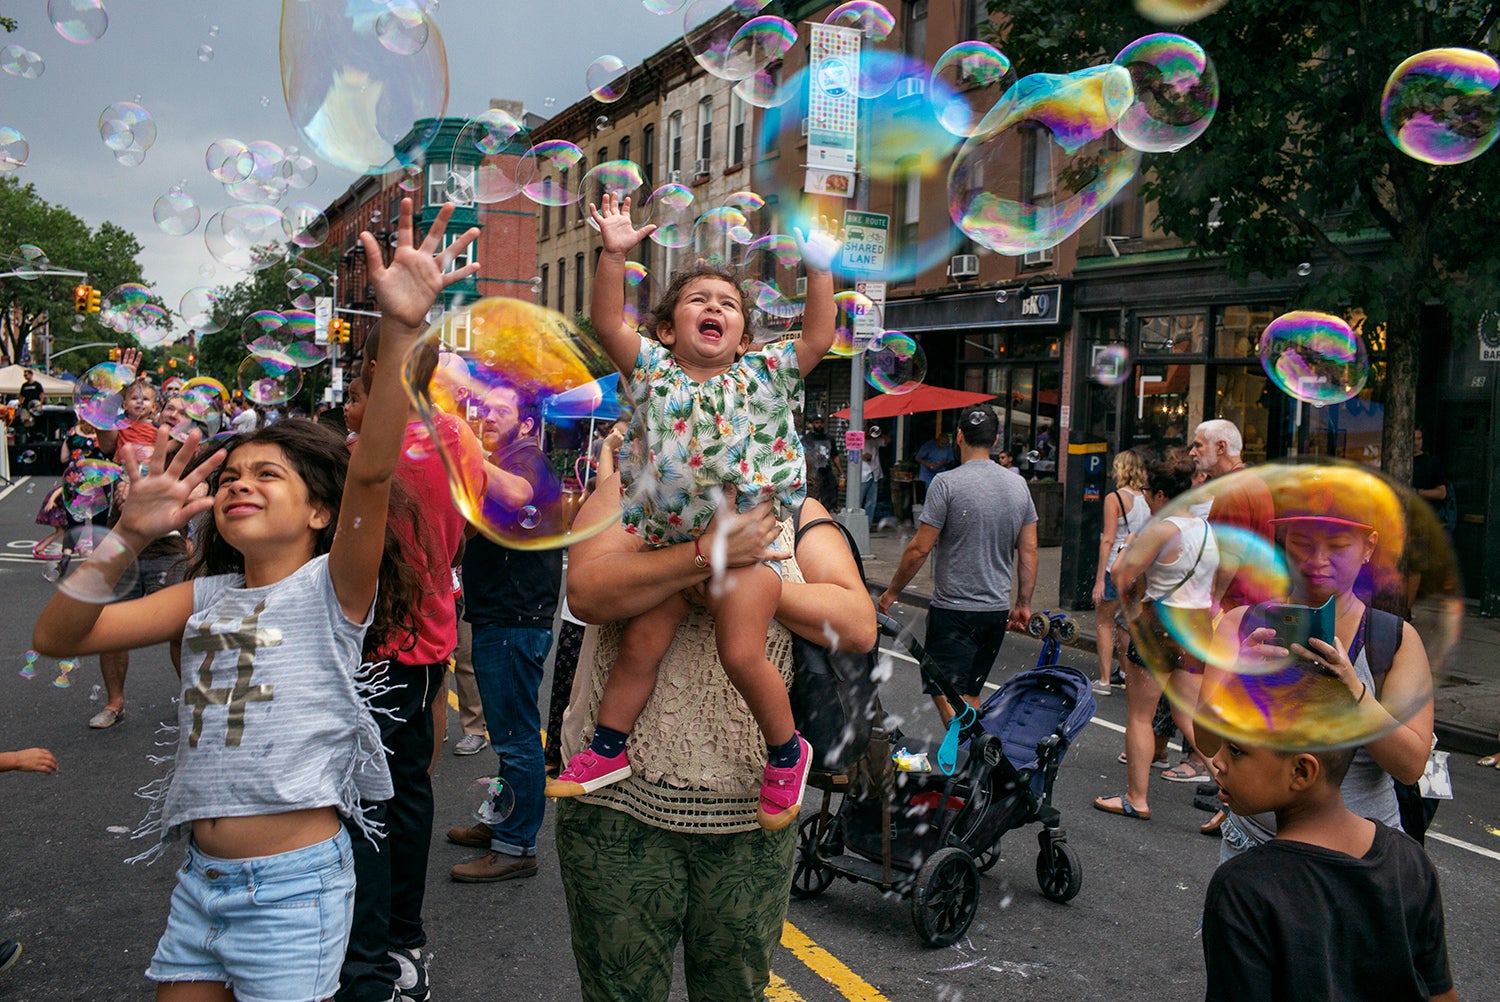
(1304,269)
(895,363)
(1110,365)
(1442,106)
(205,53)
(607,79)
(536,284)
(528,517)
(265,102)
(671,208)
(28,670)
(601,123)
(19,61)
(498,803)
(402,30)
(1002,296)
(176,213)
(357,522)
(79,21)
(96,694)
(213,32)
(14,149)
(1314,357)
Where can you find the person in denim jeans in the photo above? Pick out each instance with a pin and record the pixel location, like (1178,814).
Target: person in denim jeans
(510,598)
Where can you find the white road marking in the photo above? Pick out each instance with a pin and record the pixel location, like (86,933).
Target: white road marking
(16,483)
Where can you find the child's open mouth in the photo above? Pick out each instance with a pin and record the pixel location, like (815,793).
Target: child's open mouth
(711,328)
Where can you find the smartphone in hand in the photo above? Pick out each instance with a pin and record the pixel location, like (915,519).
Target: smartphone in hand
(1295,624)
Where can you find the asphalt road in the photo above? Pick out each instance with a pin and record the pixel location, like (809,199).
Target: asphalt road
(89,921)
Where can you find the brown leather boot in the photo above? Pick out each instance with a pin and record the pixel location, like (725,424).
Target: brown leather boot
(475,836)
(492,867)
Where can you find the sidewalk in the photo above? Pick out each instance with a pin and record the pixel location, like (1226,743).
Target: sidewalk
(1467,697)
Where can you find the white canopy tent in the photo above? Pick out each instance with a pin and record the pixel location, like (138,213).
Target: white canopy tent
(11,380)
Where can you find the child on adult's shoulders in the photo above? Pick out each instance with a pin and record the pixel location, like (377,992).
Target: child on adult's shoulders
(1334,907)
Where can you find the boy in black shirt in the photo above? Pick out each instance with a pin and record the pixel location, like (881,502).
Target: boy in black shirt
(1335,907)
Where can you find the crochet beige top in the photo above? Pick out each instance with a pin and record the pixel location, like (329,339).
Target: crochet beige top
(697,752)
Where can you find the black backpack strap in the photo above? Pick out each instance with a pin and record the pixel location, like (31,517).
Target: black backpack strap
(800,528)
(1383,632)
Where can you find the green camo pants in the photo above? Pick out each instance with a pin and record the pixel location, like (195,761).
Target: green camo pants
(633,891)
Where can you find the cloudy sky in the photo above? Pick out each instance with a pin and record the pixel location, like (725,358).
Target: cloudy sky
(528,50)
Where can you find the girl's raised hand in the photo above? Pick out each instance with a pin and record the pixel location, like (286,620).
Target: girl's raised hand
(164,501)
(616,231)
(820,244)
(408,286)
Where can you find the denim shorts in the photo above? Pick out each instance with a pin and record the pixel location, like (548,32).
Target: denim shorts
(274,928)
(1110,595)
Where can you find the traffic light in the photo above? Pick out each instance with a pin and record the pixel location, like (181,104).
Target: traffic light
(338,331)
(94,300)
(192,359)
(81,299)
(114,354)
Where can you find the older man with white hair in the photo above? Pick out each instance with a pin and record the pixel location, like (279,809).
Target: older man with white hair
(1243,503)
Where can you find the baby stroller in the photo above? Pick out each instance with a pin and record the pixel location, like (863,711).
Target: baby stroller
(927,836)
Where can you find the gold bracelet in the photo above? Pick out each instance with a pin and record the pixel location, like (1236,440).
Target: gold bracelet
(698,558)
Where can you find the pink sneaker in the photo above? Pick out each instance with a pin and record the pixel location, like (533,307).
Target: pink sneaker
(781,790)
(587,772)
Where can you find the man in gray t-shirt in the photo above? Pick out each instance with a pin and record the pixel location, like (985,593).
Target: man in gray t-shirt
(980,517)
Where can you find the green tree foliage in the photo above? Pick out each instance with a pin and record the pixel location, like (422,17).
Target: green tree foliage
(45,303)
(1296,164)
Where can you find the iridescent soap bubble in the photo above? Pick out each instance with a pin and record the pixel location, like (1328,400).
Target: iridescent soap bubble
(770,267)
(1339,533)
(548,173)
(879,65)
(1110,364)
(411,178)
(910,140)
(228,160)
(857,319)
(485,137)
(93,547)
(197,308)
(30,262)
(99,395)
(205,53)
(298,171)
(895,363)
(1070,118)
(355,101)
(119,306)
(306,353)
(402,30)
(176,213)
(672,208)
(79,21)
(210,383)
(717,231)
(957,79)
(1442,106)
(269,377)
(662,6)
(265,330)
(709,28)
(519,353)
(150,326)
(607,79)
(266,180)
(1314,357)
(1304,269)
(127,127)
(620,178)
(88,486)
(307,224)
(19,61)
(1176,93)
(301,325)
(873,19)
(14,149)
(201,409)
(246,237)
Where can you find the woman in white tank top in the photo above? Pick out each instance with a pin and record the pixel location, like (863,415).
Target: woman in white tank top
(1125,515)
(1172,563)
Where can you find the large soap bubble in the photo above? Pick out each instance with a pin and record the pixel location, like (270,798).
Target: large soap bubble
(269,377)
(522,361)
(79,21)
(671,207)
(353,91)
(1314,357)
(14,149)
(959,79)
(99,395)
(895,363)
(607,79)
(710,29)
(1060,126)
(247,237)
(1176,93)
(1442,106)
(1341,538)
(1176,11)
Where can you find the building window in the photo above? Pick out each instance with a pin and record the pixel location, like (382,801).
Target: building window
(674,146)
(583,195)
(578,280)
(625,148)
(908,215)
(1036,163)
(464,256)
(736,129)
(648,156)
(914,38)
(562,210)
(562,282)
(442,178)
(705,134)
(542,210)
(1176,334)
(546,274)
(599,184)
(976,18)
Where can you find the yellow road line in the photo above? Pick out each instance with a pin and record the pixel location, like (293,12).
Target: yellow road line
(780,991)
(828,967)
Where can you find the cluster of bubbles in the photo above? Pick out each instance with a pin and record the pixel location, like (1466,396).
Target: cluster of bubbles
(128,130)
(356,76)
(78,21)
(19,61)
(88,487)
(1338,531)
(99,395)
(1314,357)
(1442,106)
(129,309)
(281,343)
(526,356)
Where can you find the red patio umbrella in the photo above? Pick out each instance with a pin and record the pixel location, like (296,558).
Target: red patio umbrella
(923,398)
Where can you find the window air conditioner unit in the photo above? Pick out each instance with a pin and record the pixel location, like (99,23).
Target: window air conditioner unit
(804,126)
(801,286)
(700,167)
(963,266)
(910,87)
(1033,258)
